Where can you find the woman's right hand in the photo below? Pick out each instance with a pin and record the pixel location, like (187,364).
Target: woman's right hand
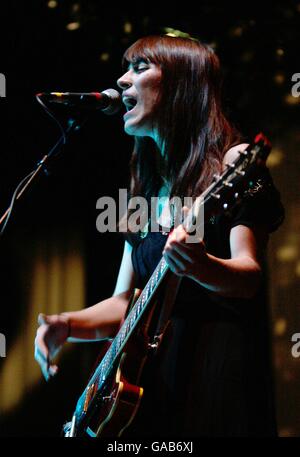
(52,333)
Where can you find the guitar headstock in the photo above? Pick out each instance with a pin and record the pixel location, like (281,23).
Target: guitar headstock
(229,188)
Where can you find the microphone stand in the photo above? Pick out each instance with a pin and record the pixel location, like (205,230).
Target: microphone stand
(41,165)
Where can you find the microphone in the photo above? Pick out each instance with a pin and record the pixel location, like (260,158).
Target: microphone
(109,101)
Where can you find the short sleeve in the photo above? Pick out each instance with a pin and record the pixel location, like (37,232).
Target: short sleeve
(261,205)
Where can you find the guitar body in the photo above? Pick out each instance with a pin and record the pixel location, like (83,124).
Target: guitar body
(116,406)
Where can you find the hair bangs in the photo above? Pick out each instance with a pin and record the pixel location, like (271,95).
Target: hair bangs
(145,49)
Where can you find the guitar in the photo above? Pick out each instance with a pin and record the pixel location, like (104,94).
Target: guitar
(112,396)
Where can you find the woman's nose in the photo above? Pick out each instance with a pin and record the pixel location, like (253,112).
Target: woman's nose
(124,82)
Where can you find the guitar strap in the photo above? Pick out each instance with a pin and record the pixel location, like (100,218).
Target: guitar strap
(166,310)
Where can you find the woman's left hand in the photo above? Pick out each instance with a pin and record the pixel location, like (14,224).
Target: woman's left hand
(183,257)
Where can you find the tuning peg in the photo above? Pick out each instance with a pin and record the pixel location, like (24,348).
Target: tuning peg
(216,196)
(229,165)
(241,173)
(227,184)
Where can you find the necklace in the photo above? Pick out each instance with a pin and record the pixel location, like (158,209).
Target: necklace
(164,214)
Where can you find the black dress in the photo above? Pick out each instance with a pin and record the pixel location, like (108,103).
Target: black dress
(212,374)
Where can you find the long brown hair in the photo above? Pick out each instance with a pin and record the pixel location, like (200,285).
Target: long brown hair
(190,120)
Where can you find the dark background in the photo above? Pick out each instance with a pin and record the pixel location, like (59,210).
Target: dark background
(259,46)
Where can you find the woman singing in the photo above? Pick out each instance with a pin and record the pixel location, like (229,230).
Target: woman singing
(211,375)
